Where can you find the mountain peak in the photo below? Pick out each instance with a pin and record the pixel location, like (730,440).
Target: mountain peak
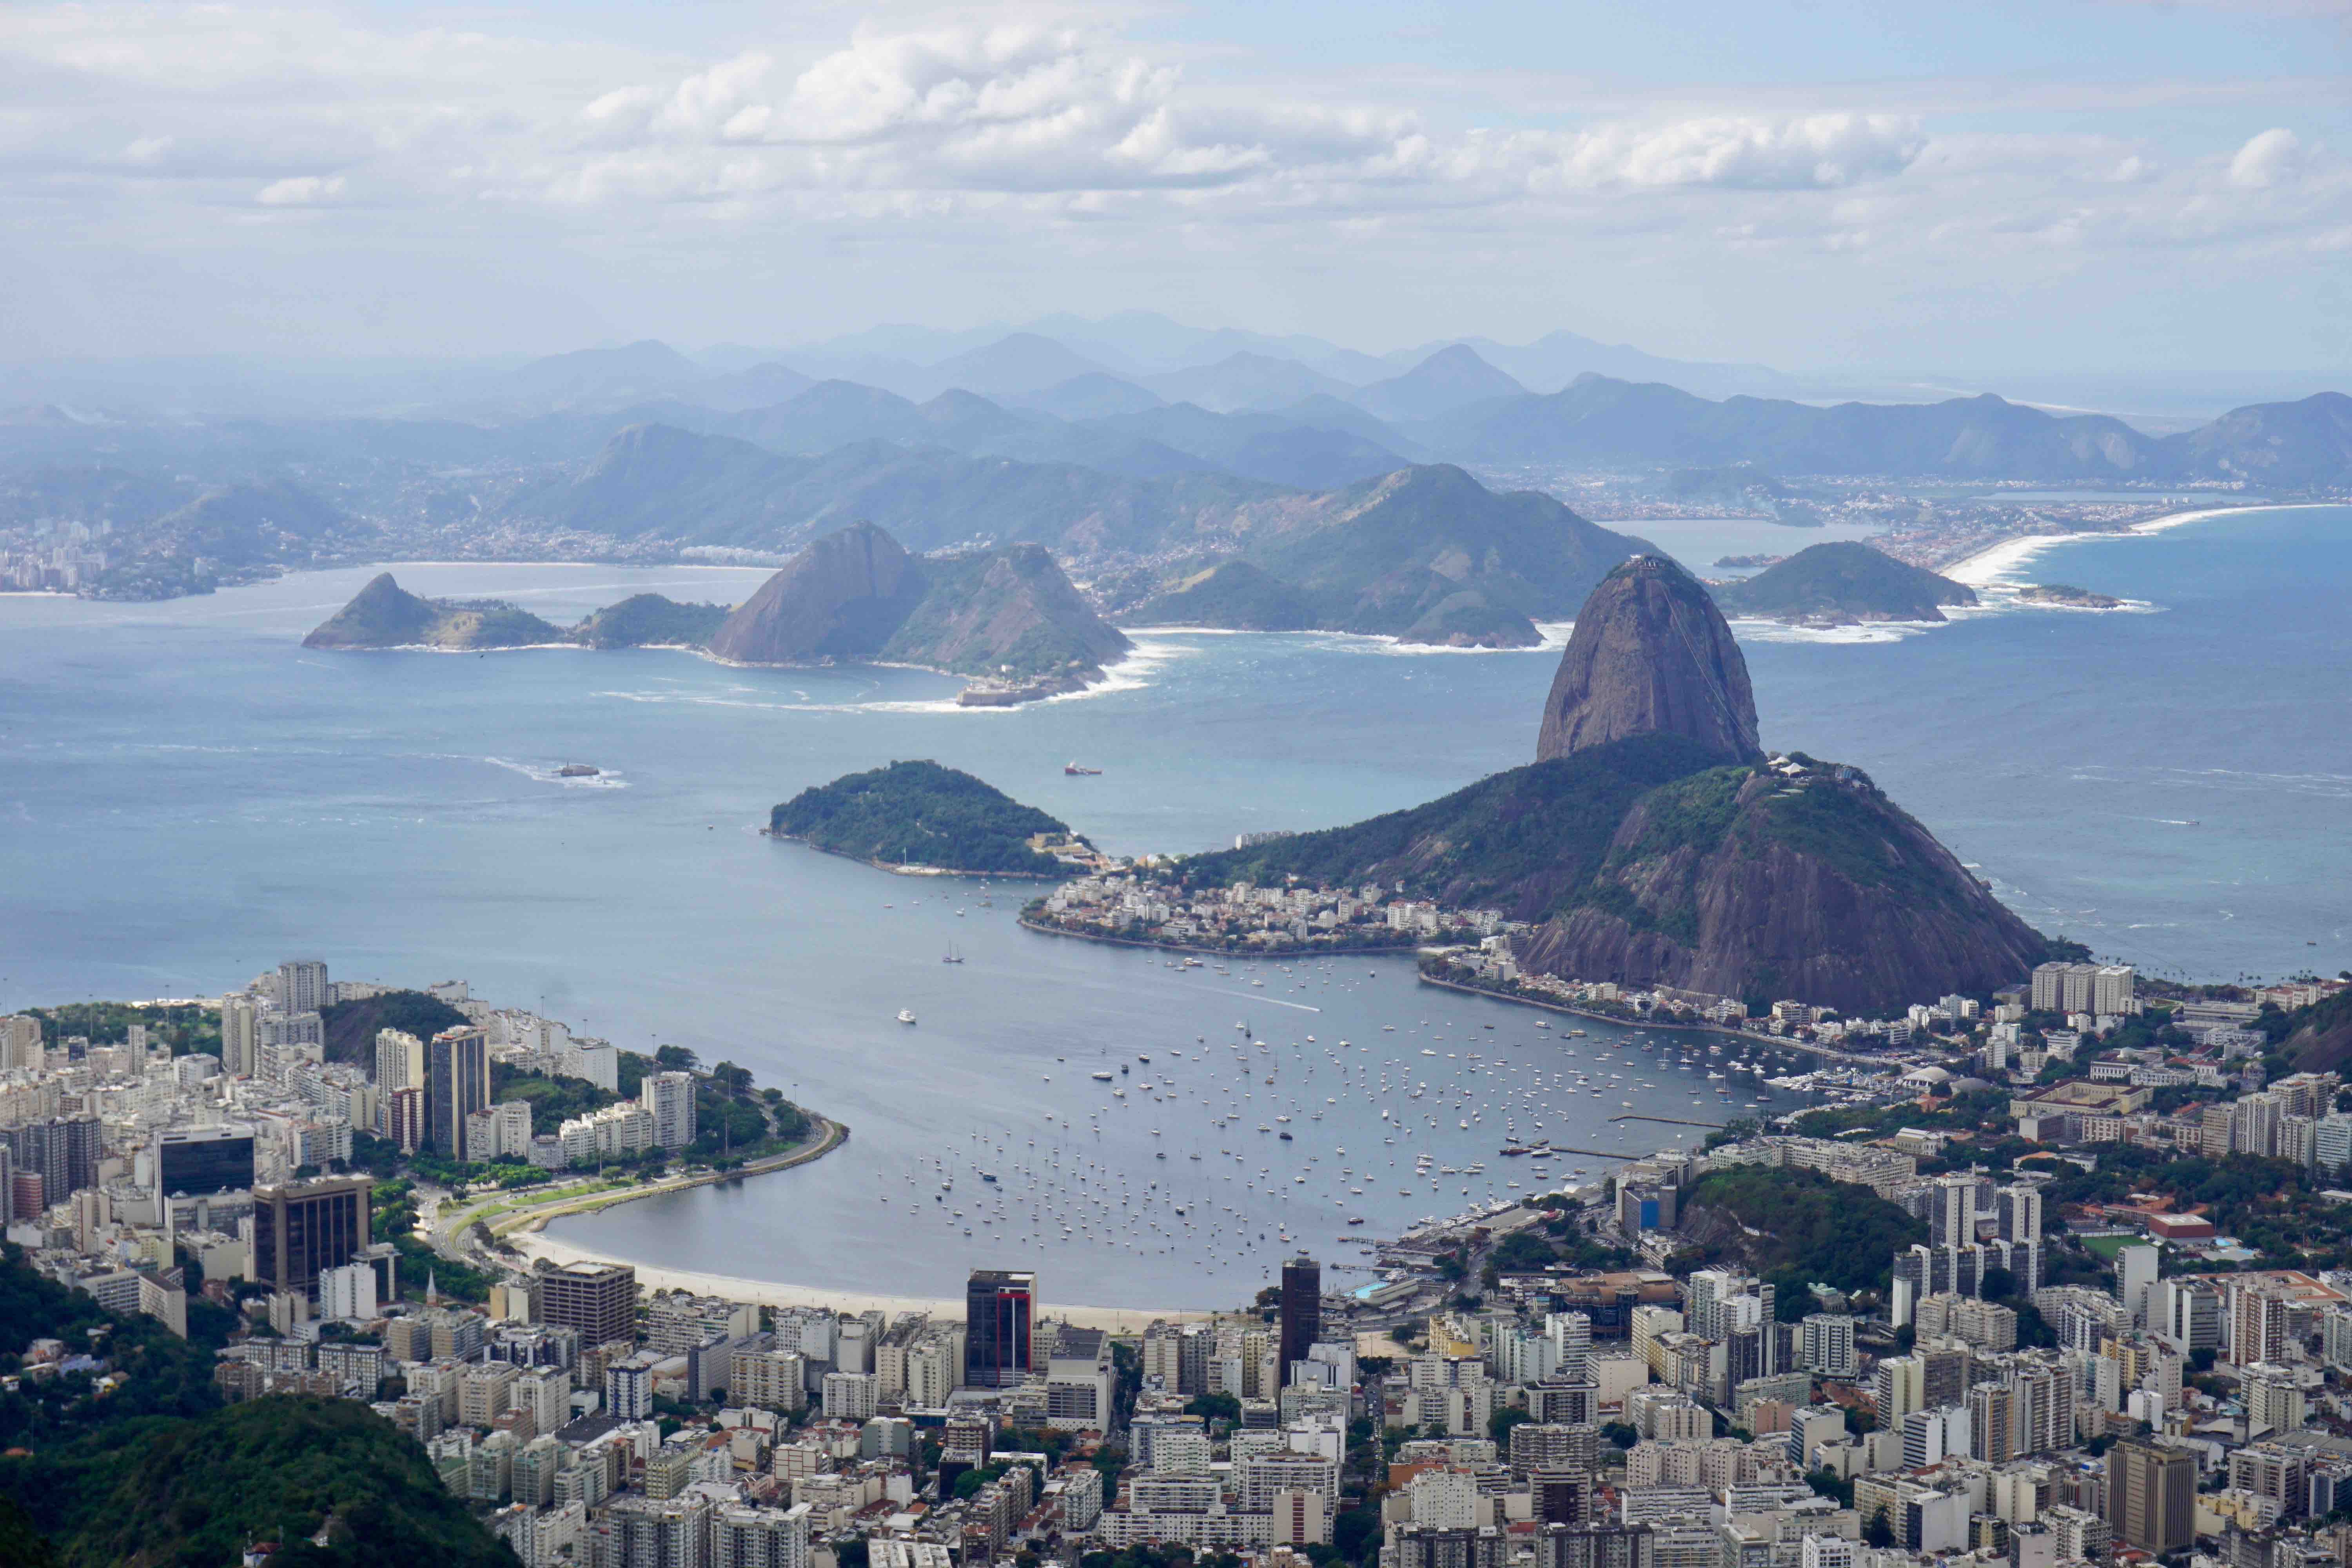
(1651,654)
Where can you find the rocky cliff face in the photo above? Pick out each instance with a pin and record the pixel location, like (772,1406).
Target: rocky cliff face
(1006,614)
(842,597)
(1650,655)
(1758,884)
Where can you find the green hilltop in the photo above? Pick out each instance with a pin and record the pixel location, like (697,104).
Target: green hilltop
(1844,582)
(920,813)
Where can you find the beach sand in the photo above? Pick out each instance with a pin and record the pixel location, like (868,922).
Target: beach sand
(1995,565)
(769,1293)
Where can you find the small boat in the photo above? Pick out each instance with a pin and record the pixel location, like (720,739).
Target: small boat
(578,771)
(1073,770)
(952,956)
(906,1015)
(988,1175)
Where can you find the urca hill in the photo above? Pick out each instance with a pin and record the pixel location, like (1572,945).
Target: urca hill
(1655,843)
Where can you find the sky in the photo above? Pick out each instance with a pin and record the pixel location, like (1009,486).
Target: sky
(2093,187)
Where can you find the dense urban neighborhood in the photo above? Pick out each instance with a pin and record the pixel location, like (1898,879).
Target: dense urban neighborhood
(2058,1275)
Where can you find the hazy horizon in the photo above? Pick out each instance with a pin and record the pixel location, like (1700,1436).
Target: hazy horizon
(1987,192)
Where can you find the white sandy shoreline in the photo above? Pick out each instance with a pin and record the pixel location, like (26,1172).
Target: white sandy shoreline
(770,1293)
(1989,567)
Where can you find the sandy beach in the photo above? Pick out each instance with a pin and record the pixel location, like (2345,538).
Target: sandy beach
(769,1294)
(1993,566)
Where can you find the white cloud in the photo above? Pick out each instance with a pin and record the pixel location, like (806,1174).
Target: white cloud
(2269,159)
(300,191)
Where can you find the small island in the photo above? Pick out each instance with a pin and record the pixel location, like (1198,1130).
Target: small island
(921,817)
(1843,584)
(2067,595)
(383,614)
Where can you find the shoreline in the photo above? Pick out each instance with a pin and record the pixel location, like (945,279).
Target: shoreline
(1982,569)
(777,1293)
(525,1230)
(1772,1042)
(1027,924)
(910,870)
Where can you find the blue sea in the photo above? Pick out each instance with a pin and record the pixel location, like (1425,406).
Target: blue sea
(187,796)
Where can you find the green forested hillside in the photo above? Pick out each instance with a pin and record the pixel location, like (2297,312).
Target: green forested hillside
(1530,839)
(159,1474)
(351,1026)
(1815,1231)
(920,813)
(645,620)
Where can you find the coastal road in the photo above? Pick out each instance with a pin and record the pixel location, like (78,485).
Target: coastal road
(503,1212)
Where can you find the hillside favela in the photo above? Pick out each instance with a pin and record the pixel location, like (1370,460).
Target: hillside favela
(1190,786)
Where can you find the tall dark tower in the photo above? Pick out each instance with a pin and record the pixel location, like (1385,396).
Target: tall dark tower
(999,1308)
(1302,1310)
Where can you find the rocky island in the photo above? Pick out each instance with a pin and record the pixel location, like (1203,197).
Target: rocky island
(383,614)
(1007,618)
(1843,584)
(921,817)
(2066,595)
(1425,555)
(1655,843)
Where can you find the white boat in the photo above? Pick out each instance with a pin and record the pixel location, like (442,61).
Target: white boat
(906,1017)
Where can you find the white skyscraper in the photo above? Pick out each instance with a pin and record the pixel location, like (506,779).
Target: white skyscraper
(239,1035)
(2136,1281)
(302,985)
(668,1098)
(399,1061)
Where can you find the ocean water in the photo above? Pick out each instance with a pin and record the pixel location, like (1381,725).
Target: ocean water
(187,796)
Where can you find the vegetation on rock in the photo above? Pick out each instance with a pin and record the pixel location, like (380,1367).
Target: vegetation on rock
(920,813)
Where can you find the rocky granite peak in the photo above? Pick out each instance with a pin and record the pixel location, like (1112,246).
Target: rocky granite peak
(842,597)
(1650,655)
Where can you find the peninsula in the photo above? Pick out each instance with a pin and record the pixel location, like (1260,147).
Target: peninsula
(921,817)
(1654,843)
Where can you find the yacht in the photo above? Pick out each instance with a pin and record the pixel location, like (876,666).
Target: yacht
(906,1015)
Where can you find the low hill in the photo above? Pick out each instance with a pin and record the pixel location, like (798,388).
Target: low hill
(333,1481)
(1233,596)
(920,813)
(2321,1037)
(1842,583)
(383,614)
(2289,446)
(1006,614)
(351,1027)
(650,620)
(158,1473)
(1428,554)
(1796,1228)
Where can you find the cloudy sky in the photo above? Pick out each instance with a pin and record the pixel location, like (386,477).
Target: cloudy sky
(1899,186)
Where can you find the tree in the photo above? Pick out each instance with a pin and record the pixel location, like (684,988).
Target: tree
(1499,1425)
(1878,1534)
(1619,1433)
